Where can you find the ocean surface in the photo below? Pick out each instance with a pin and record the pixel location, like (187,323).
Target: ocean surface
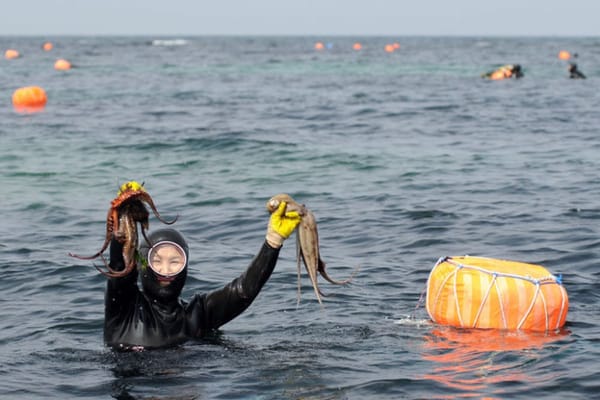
(404,157)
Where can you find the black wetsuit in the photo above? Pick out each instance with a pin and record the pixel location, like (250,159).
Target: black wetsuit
(133,319)
(575,73)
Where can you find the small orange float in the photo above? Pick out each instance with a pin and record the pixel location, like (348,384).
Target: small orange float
(564,55)
(357,46)
(389,48)
(319,46)
(47,46)
(29,99)
(478,292)
(11,54)
(62,64)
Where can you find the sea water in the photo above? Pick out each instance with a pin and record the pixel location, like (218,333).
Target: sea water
(404,157)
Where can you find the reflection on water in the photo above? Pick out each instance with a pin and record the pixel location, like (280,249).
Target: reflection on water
(477,362)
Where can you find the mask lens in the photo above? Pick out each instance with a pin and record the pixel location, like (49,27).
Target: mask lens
(167,258)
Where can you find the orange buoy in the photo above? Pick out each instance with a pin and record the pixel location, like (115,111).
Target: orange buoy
(62,64)
(564,55)
(357,46)
(396,45)
(389,48)
(47,46)
(319,46)
(11,54)
(478,292)
(29,99)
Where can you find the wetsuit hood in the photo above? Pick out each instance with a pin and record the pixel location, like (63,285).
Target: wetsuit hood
(151,281)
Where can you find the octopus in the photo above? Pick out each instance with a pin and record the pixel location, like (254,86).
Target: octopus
(126,211)
(307,244)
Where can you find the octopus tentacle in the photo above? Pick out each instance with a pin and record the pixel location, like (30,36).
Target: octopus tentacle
(299,268)
(324,274)
(145,197)
(126,234)
(307,244)
(309,248)
(100,269)
(110,228)
(108,271)
(111,273)
(126,211)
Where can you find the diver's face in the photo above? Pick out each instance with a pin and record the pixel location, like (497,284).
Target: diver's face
(166,259)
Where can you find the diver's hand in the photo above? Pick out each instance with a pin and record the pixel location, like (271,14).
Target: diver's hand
(281,225)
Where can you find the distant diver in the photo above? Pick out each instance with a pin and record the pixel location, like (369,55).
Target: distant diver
(504,72)
(574,73)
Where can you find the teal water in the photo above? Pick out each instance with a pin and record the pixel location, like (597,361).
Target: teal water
(403,158)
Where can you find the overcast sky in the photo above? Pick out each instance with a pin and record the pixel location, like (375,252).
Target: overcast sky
(301,17)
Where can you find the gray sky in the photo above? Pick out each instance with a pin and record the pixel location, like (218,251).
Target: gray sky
(302,17)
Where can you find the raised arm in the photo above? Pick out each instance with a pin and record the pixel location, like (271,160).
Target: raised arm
(214,309)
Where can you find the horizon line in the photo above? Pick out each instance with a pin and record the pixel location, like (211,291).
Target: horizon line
(456,35)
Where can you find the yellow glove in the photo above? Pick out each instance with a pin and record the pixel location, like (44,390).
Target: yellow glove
(281,225)
(131,185)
